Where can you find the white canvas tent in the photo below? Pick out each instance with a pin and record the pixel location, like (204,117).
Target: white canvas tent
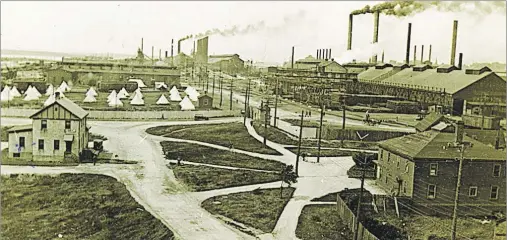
(6,96)
(115,102)
(50,90)
(123,93)
(112,96)
(51,99)
(137,100)
(174,90)
(162,100)
(31,94)
(186,104)
(137,92)
(175,96)
(14,92)
(92,92)
(189,90)
(139,82)
(89,98)
(194,97)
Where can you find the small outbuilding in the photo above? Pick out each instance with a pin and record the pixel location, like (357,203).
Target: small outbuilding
(205,102)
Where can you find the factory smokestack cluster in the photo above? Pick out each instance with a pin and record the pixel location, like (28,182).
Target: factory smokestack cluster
(453,44)
(324,53)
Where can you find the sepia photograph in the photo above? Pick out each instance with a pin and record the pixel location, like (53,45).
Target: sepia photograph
(244,120)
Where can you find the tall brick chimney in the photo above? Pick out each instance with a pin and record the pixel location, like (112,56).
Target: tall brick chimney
(349,42)
(407,53)
(453,44)
(376,17)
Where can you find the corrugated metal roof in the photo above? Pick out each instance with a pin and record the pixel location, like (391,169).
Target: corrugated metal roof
(20,128)
(429,121)
(433,145)
(372,73)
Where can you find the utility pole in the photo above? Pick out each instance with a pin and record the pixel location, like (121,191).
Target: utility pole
(456,197)
(276,101)
(356,224)
(343,121)
(266,121)
(482,111)
(246,103)
(320,127)
(299,143)
(213,88)
(230,105)
(221,87)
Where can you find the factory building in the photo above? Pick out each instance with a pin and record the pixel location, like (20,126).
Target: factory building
(228,63)
(446,86)
(84,72)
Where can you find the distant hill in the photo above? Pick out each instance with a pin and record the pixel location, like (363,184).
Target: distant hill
(29,53)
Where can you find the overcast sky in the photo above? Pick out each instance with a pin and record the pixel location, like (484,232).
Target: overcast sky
(117,27)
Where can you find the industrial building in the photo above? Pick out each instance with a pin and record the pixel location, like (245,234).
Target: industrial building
(227,63)
(82,72)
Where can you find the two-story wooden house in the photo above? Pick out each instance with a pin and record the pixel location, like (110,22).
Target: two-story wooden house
(58,133)
(421,170)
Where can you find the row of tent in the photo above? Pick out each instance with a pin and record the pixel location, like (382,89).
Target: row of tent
(31,93)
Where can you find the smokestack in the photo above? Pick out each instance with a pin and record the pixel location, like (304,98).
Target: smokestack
(453,44)
(152,49)
(422,54)
(409,35)
(330,54)
(292,59)
(429,58)
(142,44)
(415,54)
(172,48)
(165,54)
(317,56)
(159,53)
(382,56)
(460,61)
(376,17)
(194,48)
(349,42)
(325,54)
(179,46)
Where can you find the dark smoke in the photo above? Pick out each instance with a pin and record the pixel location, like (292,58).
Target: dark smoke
(251,28)
(408,8)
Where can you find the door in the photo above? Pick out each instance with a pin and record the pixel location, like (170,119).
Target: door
(68,146)
(21,142)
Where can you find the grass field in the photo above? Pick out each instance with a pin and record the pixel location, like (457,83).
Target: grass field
(219,134)
(77,206)
(203,178)
(260,208)
(322,222)
(202,154)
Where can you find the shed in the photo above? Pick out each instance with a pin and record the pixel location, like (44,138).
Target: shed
(205,102)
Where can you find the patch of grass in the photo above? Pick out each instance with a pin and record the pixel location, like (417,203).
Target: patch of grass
(219,134)
(201,154)
(259,209)
(322,222)
(275,135)
(306,123)
(78,206)
(203,178)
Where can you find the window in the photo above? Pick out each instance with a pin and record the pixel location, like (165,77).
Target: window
(381,154)
(56,144)
(67,124)
(472,191)
(433,169)
(496,170)
(205,102)
(494,192)
(432,191)
(43,124)
(41,144)
(406,168)
(21,142)
(16,155)
(398,163)
(388,157)
(386,179)
(404,187)
(380,173)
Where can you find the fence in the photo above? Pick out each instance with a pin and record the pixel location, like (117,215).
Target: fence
(348,218)
(171,115)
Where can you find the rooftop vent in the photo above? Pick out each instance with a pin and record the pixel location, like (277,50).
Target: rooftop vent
(400,66)
(477,71)
(383,65)
(446,68)
(421,68)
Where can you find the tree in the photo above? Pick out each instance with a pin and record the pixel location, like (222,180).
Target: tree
(288,176)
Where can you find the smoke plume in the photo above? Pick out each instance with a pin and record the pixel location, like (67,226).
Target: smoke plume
(361,53)
(408,8)
(251,28)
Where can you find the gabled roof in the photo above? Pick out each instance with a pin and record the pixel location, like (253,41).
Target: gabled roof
(205,95)
(429,121)
(68,105)
(432,145)
(20,128)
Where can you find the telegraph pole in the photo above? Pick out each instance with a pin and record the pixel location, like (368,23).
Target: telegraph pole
(266,121)
(246,103)
(299,143)
(320,128)
(456,197)
(231,97)
(356,225)
(213,86)
(343,121)
(276,101)
(221,87)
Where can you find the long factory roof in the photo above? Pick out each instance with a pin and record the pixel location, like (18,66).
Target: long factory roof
(453,81)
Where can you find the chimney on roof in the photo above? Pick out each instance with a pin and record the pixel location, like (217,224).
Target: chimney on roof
(458,132)
(57,95)
(415,54)
(429,57)
(407,54)
(422,54)
(453,44)
(460,61)
(349,42)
